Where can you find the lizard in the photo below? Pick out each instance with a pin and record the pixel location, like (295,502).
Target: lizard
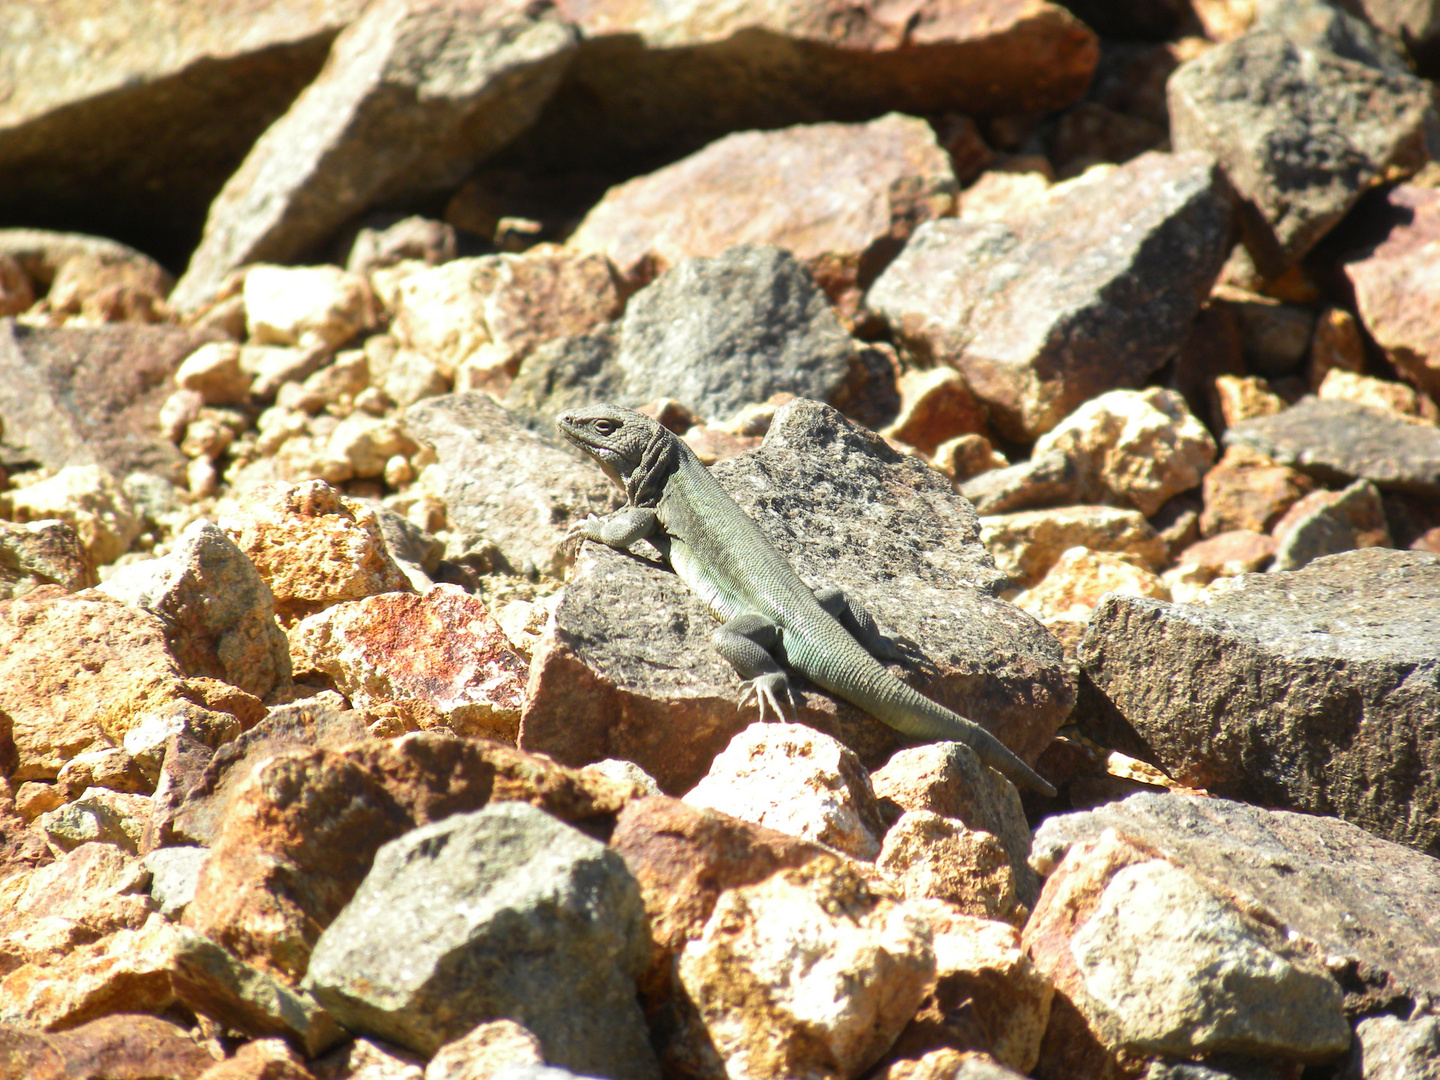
(768,615)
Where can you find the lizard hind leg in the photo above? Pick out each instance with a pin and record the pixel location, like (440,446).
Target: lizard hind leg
(748,641)
(851,614)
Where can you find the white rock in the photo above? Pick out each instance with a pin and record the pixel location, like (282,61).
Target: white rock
(91,500)
(304,305)
(214,372)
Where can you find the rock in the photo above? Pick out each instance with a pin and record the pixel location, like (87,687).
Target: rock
(1224,555)
(1051,479)
(1245,397)
(80,673)
(91,396)
(218,612)
(646,77)
(795,780)
(451,85)
(1037,331)
(313,546)
(1338,442)
(111,768)
(309,306)
(1393,1049)
(987,994)
(479,319)
(1304,685)
(853,192)
(104,286)
(1113,928)
(116,1047)
(98,816)
(772,976)
(1378,393)
(48,552)
(442,648)
(483,1051)
(1391,276)
(1300,132)
(1027,544)
(1133,448)
(1274,336)
(90,501)
(1247,490)
(1364,907)
(262,1059)
(927,856)
(413,238)
(17,291)
(506,488)
(966,456)
(1336,345)
(936,406)
(465,889)
(174,873)
(948,779)
(302,826)
(1070,591)
(629,640)
(715,334)
(1332,523)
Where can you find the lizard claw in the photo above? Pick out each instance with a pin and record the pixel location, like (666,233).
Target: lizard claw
(766,690)
(574,539)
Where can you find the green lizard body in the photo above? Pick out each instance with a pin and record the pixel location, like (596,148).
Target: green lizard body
(769,615)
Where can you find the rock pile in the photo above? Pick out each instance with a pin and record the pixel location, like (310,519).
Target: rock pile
(1092,347)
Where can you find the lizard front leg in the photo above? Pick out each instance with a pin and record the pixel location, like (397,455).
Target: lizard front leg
(618,530)
(748,642)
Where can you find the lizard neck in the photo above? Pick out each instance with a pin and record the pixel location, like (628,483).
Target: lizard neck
(646,482)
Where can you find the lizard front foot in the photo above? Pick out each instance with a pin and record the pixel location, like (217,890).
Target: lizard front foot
(766,691)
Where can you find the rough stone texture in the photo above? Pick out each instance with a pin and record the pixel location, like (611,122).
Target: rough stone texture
(508,492)
(1064,600)
(948,779)
(649,77)
(79,673)
(91,501)
(1224,555)
(936,406)
(43,553)
(1330,523)
(428,946)
(987,996)
(442,648)
(414,238)
(483,1051)
(1342,895)
(1051,479)
(1392,279)
(1301,132)
(219,613)
(1396,1049)
(86,396)
(411,97)
(313,547)
(626,668)
(840,197)
(1247,490)
(1315,690)
(314,307)
(261,1059)
(715,334)
(1380,393)
(107,817)
(1133,448)
(1337,442)
(1241,397)
(795,780)
(772,975)
(1151,960)
(214,372)
(927,856)
(1027,544)
(302,827)
(1087,291)
(1336,345)
(174,873)
(478,319)
(123,1046)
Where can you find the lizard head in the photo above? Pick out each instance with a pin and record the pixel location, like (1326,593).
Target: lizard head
(634,450)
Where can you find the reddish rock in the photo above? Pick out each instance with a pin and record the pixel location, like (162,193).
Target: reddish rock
(122,1046)
(1247,490)
(1027,544)
(1337,345)
(936,406)
(842,197)
(926,856)
(442,648)
(1235,551)
(263,1059)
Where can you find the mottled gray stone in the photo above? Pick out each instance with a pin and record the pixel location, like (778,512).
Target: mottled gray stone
(174,872)
(1300,131)
(1338,442)
(627,670)
(509,492)
(1369,908)
(39,553)
(1394,1049)
(1316,690)
(1092,290)
(1051,479)
(1329,530)
(503,912)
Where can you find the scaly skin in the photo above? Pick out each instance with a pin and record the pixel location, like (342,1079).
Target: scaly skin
(769,613)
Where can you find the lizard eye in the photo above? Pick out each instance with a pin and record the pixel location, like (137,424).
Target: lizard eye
(607,427)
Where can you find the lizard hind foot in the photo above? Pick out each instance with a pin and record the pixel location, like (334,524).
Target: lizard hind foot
(766,691)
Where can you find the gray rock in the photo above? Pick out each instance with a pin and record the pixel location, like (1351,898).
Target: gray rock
(508,492)
(1338,442)
(1328,530)
(1301,132)
(174,872)
(579,369)
(431,242)
(626,668)
(39,553)
(1051,479)
(416,551)
(1415,22)
(412,97)
(1314,690)
(91,395)
(1394,1049)
(218,612)
(503,912)
(1091,291)
(1368,908)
